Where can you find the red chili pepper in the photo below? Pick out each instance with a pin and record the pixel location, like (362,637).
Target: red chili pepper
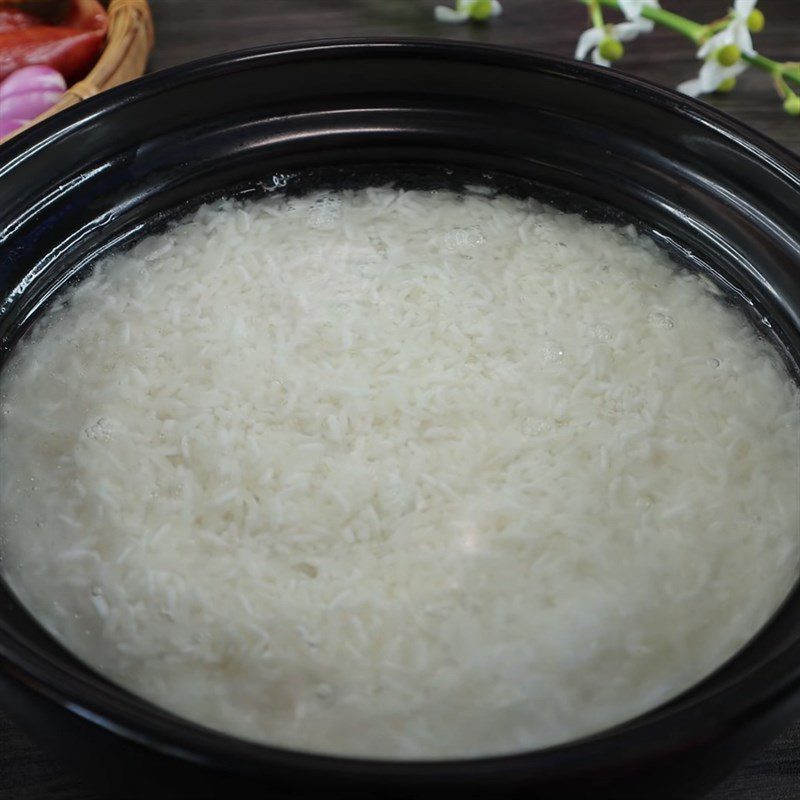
(13,20)
(88,15)
(71,48)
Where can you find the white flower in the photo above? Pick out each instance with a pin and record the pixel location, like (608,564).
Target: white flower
(464,10)
(632,9)
(590,40)
(712,73)
(736,32)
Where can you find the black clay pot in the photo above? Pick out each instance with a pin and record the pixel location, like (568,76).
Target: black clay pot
(721,197)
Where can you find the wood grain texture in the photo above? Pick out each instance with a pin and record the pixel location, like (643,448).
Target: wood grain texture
(189,29)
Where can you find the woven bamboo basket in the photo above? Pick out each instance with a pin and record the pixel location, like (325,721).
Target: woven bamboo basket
(124,57)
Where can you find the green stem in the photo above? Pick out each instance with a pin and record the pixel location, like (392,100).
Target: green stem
(774,67)
(698,33)
(675,22)
(596,14)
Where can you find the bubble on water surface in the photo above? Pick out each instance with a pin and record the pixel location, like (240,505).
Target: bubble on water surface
(464,238)
(658,319)
(325,213)
(532,426)
(602,333)
(276,181)
(100,430)
(552,352)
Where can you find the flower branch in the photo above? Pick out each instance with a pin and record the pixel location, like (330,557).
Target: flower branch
(725,45)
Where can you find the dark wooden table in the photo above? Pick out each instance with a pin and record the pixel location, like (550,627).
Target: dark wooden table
(188,29)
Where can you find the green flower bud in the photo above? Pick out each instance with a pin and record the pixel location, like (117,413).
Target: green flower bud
(755,22)
(611,49)
(728,55)
(792,105)
(481,10)
(727,84)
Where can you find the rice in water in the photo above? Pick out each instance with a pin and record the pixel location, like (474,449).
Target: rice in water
(397,474)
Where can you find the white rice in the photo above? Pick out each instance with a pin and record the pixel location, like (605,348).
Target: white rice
(399,474)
